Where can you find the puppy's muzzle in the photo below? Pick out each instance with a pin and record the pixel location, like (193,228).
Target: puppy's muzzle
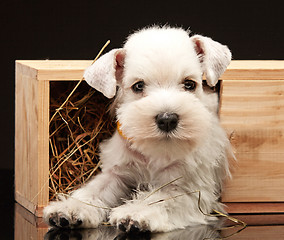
(167,122)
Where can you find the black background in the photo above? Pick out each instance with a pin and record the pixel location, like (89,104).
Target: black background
(253,29)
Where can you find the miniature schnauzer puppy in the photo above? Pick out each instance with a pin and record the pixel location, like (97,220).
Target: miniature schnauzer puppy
(168,143)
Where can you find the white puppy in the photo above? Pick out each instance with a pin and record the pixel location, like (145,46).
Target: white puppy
(169,141)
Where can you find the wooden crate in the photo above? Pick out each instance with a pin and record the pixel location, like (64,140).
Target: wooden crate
(33,79)
(251,110)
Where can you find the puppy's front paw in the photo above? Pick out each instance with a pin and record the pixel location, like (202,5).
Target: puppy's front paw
(138,217)
(61,214)
(71,214)
(132,226)
(61,220)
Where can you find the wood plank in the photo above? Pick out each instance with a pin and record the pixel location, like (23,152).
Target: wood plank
(261,103)
(257,64)
(261,219)
(256,115)
(253,116)
(258,177)
(26,132)
(53,70)
(50,65)
(242,98)
(31,138)
(43,143)
(253,87)
(255,207)
(238,70)
(255,233)
(257,140)
(254,121)
(254,70)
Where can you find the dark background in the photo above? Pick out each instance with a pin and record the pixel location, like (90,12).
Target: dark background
(253,29)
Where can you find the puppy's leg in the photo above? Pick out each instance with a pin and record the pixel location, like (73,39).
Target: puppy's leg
(89,205)
(161,212)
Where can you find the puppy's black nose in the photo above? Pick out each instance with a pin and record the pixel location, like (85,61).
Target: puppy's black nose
(167,121)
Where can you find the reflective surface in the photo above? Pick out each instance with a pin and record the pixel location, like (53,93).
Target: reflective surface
(18,223)
(27,226)
(196,233)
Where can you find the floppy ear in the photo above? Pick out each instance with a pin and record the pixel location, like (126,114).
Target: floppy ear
(106,72)
(213,56)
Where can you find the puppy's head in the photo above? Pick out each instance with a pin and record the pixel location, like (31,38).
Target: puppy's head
(160,102)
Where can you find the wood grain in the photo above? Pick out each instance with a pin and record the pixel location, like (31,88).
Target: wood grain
(31,138)
(254,70)
(255,207)
(58,70)
(256,233)
(252,112)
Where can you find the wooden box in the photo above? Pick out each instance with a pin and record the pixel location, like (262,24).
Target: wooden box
(251,111)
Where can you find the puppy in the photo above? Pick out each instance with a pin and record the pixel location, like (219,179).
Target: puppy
(168,144)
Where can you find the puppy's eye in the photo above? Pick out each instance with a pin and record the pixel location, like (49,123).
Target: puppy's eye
(189,85)
(138,87)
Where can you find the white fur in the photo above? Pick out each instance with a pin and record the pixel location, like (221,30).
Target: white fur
(196,150)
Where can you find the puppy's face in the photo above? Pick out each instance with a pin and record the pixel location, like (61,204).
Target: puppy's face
(160,103)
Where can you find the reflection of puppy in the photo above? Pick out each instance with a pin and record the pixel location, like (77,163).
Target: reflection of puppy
(167,128)
(102,232)
(200,232)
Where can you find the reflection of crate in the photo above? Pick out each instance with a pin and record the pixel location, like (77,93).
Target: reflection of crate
(251,110)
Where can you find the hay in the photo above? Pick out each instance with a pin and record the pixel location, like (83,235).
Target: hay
(75,133)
